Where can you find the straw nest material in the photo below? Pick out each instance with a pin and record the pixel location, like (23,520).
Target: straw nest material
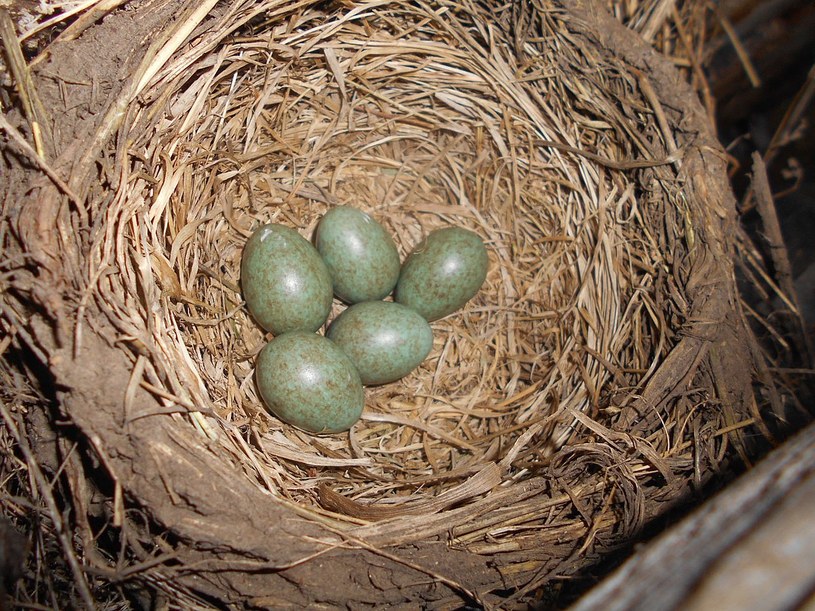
(601,374)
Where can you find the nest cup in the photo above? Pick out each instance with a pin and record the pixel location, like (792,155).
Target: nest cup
(411,116)
(559,409)
(373,108)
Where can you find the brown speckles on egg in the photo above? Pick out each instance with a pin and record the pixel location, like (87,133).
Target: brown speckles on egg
(384,340)
(443,273)
(360,255)
(286,284)
(307,381)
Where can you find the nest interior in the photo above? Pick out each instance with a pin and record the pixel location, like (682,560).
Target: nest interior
(421,125)
(602,373)
(424,120)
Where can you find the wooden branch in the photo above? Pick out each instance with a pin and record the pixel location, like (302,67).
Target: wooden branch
(772,228)
(751,547)
(778,251)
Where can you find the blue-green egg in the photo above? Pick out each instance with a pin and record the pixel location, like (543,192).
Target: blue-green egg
(360,255)
(285,283)
(307,381)
(384,340)
(443,272)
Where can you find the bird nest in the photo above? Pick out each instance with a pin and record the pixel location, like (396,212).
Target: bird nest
(601,373)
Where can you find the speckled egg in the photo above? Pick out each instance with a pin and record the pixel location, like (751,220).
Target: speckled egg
(285,283)
(443,273)
(307,381)
(384,340)
(360,255)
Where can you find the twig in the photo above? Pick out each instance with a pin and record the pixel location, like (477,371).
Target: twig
(93,11)
(791,117)
(659,113)
(741,52)
(34,110)
(778,250)
(795,111)
(772,229)
(53,510)
(657,19)
(38,160)
(631,164)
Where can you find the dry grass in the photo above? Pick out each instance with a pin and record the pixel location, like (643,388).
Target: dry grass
(679,30)
(581,356)
(406,112)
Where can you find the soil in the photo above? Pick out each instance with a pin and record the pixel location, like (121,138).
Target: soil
(77,80)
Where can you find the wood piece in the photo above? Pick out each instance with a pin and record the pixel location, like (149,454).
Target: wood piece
(773,564)
(778,251)
(757,532)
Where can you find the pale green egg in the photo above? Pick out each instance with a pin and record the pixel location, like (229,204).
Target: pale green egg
(306,380)
(360,255)
(384,340)
(443,272)
(285,283)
